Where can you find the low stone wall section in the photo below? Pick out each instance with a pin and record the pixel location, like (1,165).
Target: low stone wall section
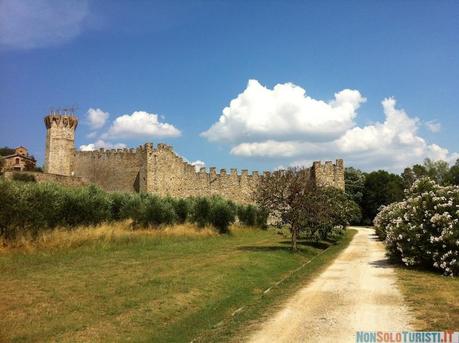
(68,181)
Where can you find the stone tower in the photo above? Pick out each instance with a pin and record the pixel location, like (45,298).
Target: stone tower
(328,174)
(60,138)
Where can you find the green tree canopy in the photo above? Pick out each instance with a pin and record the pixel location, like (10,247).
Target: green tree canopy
(437,170)
(381,188)
(354,180)
(288,197)
(453,174)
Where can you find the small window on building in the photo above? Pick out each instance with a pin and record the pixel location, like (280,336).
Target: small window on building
(17,160)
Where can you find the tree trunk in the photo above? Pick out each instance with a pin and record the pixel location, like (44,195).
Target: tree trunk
(294,239)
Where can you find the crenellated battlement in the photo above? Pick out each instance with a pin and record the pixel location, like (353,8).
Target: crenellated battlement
(211,171)
(60,120)
(147,147)
(108,152)
(162,146)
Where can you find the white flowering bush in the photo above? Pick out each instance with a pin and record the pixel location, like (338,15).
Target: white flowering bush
(385,216)
(423,230)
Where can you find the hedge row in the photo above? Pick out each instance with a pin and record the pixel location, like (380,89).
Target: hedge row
(27,207)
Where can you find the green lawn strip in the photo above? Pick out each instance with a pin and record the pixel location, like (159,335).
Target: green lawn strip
(56,289)
(167,289)
(244,322)
(432,298)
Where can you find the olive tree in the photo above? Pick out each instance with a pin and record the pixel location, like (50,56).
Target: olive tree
(282,193)
(289,197)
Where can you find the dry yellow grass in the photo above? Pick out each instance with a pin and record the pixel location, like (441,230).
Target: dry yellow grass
(109,232)
(433,298)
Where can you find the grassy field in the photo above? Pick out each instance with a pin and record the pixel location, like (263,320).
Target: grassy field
(433,299)
(174,288)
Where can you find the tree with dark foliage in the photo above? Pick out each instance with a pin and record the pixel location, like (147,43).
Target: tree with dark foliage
(453,174)
(6,151)
(282,193)
(354,180)
(381,188)
(288,196)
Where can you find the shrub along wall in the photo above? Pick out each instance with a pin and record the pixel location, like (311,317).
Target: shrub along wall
(28,208)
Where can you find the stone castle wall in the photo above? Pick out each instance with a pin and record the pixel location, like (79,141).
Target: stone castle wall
(157,170)
(112,170)
(161,171)
(171,175)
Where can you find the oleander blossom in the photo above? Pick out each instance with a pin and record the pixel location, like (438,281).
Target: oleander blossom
(423,229)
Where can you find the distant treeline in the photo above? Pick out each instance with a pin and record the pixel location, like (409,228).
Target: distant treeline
(5,151)
(30,207)
(372,190)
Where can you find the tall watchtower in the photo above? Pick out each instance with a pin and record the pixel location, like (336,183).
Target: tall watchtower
(60,142)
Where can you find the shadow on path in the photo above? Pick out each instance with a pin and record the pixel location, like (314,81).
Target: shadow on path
(383,263)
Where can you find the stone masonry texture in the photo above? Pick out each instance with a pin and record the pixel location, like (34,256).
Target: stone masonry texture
(158,170)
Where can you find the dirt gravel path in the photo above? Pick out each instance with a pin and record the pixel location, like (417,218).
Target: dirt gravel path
(355,293)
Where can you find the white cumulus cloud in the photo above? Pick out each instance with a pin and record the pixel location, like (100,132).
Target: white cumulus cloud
(321,130)
(398,130)
(433,126)
(198,165)
(101,144)
(140,123)
(26,24)
(284,112)
(280,149)
(96,118)
(393,143)
(273,148)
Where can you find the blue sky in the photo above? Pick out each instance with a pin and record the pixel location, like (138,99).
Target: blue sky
(165,71)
